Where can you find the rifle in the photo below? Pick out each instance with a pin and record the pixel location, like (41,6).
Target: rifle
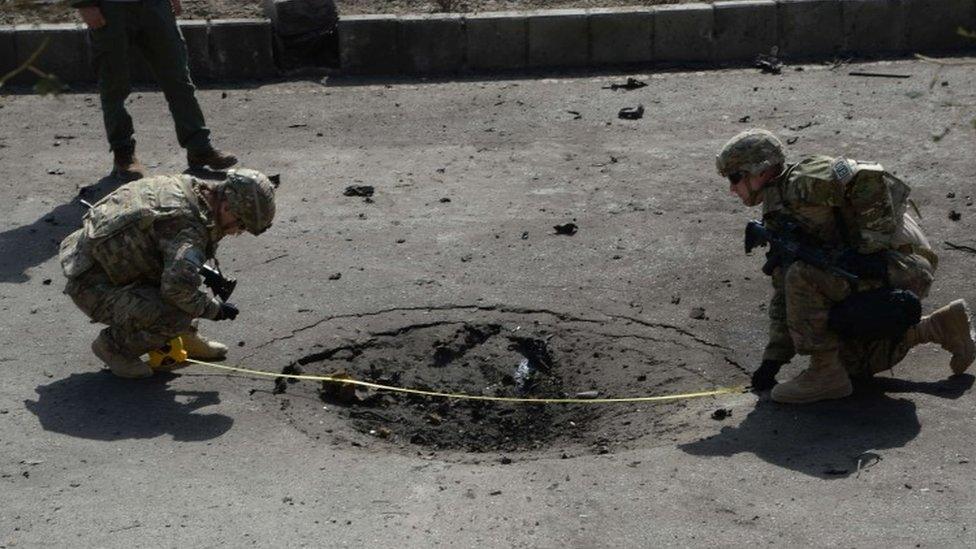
(786,246)
(222,287)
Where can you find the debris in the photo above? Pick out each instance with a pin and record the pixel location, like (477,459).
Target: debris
(522,375)
(631,113)
(335,276)
(721,413)
(950,195)
(525,235)
(879,74)
(768,64)
(630,84)
(799,127)
(954,215)
(55,171)
(576,115)
(445,200)
(587,394)
(698,313)
(281,383)
(505,460)
(867,460)
(339,392)
(745,119)
(568,229)
(675,299)
(792,140)
(359,190)
(297,125)
(46,282)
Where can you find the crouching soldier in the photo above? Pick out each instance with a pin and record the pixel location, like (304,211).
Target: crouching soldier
(849,267)
(136,263)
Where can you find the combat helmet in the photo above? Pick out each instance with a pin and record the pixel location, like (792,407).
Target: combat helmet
(751,151)
(250,195)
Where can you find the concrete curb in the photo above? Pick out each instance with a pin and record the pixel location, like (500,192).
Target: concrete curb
(229,49)
(694,33)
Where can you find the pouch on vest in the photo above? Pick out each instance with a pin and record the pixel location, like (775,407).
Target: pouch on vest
(884,313)
(877,202)
(74,255)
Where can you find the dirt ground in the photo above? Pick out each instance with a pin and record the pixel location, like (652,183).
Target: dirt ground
(453,277)
(31,11)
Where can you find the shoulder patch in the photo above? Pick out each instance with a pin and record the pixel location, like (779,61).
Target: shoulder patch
(842,170)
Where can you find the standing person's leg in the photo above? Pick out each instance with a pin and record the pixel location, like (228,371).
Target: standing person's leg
(111,48)
(163,46)
(161,43)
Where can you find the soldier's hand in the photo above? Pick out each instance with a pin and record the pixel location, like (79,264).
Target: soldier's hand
(764,378)
(92,16)
(227,312)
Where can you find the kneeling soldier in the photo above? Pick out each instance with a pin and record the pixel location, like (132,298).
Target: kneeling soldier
(848,265)
(136,263)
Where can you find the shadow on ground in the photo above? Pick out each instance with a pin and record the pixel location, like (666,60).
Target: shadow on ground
(100,406)
(831,439)
(26,247)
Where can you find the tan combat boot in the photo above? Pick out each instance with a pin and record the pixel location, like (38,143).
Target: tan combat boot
(126,166)
(824,379)
(121,365)
(949,327)
(212,158)
(201,348)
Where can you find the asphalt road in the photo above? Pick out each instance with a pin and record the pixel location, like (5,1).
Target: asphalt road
(208,459)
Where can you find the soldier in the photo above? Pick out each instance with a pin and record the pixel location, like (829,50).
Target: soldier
(856,213)
(135,263)
(117,27)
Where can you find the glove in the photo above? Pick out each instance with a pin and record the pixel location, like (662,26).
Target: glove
(227,312)
(764,378)
(865,265)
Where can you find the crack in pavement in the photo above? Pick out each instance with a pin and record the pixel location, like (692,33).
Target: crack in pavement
(678,329)
(499,308)
(484,308)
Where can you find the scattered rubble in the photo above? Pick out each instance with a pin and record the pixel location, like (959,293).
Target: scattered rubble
(631,113)
(768,64)
(359,190)
(568,229)
(630,84)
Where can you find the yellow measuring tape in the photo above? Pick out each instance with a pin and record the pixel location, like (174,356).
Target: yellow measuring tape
(661,398)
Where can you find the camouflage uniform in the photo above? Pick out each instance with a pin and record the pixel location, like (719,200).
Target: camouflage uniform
(839,204)
(134,264)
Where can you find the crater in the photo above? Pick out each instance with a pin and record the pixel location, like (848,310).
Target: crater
(492,351)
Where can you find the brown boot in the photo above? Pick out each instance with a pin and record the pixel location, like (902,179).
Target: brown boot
(201,348)
(121,365)
(824,379)
(126,166)
(212,158)
(949,327)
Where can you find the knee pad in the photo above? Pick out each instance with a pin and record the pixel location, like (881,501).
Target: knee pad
(883,313)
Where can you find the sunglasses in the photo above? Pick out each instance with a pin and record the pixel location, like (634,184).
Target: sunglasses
(735,177)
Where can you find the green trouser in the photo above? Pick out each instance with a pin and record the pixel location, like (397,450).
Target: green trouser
(803,297)
(150,27)
(139,319)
